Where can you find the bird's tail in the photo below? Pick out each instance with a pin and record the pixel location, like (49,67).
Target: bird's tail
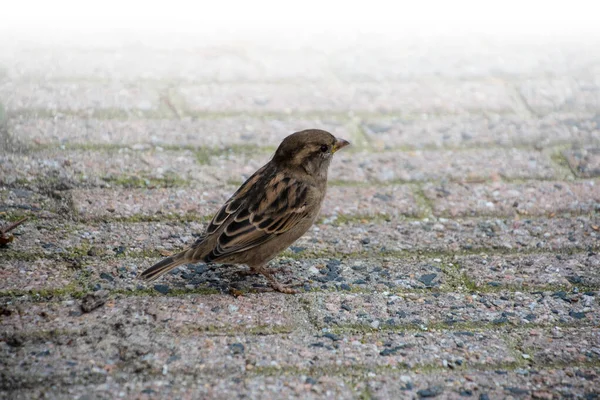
(164,266)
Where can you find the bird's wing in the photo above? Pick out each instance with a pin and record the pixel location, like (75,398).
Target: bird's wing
(252,217)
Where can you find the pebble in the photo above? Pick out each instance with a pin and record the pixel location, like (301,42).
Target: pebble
(237,348)
(332,336)
(375,324)
(233,308)
(107,277)
(430,392)
(542,394)
(93,300)
(163,289)
(310,381)
(517,391)
(577,315)
(427,279)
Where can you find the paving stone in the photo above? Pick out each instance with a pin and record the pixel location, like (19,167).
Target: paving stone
(102,270)
(164,203)
(63,168)
(567,346)
(428,131)
(204,62)
(584,162)
(504,199)
(529,271)
(393,166)
(78,96)
(417,311)
(407,97)
(499,384)
(189,314)
(195,354)
(104,386)
(562,94)
(18,201)
(212,132)
(134,166)
(387,201)
(43,274)
(452,236)
(57,238)
(385,58)
(157,203)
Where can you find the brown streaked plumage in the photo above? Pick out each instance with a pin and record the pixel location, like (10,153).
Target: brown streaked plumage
(269,212)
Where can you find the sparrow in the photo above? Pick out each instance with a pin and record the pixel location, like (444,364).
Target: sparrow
(268,213)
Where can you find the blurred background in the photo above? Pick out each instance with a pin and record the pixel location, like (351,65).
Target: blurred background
(240,76)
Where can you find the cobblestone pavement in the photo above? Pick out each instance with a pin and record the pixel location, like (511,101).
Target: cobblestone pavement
(457,254)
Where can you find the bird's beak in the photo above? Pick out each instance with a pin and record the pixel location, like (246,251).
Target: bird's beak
(340,144)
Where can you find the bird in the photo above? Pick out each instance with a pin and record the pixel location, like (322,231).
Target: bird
(272,209)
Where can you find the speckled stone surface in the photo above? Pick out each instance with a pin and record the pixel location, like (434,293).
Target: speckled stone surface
(456,254)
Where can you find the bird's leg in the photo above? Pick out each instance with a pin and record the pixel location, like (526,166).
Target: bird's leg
(280,270)
(275,284)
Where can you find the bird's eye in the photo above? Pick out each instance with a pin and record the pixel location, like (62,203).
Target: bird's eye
(324,148)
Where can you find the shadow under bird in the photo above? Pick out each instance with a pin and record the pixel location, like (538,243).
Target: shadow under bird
(268,213)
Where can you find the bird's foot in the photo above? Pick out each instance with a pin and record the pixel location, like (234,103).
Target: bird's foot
(288,289)
(280,270)
(275,284)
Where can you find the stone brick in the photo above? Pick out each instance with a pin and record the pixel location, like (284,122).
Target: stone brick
(104,385)
(411,97)
(506,199)
(480,131)
(42,274)
(158,203)
(197,353)
(148,166)
(25,202)
(449,236)
(382,58)
(101,271)
(529,271)
(53,96)
(145,167)
(137,61)
(394,166)
(422,311)
(187,314)
(562,94)
(497,384)
(584,162)
(165,203)
(373,201)
(563,345)
(211,132)
(445,236)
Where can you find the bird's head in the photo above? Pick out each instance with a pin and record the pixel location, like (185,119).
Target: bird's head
(310,150)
